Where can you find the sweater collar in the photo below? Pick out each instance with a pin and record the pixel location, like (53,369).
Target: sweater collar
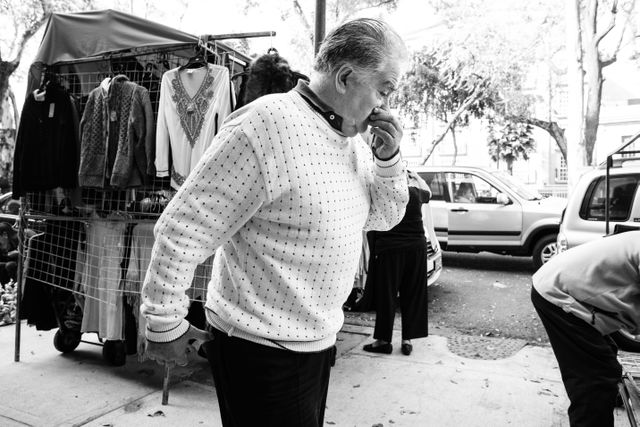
(320,106)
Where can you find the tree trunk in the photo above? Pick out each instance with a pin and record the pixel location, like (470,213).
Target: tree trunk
(575,98)
(305,22)
(509,161)
(14,105)
(455,146)
(592,114)
(6,69)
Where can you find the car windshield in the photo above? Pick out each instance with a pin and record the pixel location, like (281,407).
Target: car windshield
(517,186)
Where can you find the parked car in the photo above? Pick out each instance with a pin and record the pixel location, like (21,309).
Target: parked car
(496,213)
(585,216)
(434,252)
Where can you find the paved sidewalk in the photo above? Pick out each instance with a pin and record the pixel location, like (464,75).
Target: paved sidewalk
(432,387)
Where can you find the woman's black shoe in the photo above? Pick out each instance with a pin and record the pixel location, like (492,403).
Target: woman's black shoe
(406,349)
(382,348)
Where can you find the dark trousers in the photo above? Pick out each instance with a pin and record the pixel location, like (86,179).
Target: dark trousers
(264,386)
(588,364)
(404,273)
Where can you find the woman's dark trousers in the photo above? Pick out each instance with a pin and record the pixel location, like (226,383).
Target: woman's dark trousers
(401,272)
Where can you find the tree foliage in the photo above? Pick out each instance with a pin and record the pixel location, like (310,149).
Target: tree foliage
(21,20)
(602,26)
(438,86)
(510,141)
(301,15)
(520,45)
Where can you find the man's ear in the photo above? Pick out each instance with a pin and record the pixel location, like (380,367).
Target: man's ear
(344,77)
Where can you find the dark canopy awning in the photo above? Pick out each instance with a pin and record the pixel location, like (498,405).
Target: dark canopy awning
(75,36)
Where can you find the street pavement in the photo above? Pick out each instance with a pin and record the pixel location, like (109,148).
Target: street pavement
(432,387)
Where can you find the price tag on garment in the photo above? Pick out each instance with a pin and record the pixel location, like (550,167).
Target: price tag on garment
(113,116)
(52,109)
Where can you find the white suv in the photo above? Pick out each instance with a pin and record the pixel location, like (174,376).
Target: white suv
(585,216)
(497,214)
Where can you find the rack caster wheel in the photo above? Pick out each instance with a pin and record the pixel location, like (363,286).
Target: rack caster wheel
(66,341)
(114,352)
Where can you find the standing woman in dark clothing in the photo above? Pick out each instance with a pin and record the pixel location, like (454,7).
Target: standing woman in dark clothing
(401,269)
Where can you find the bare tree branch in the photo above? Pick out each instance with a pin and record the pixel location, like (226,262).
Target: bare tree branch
(614,56)
(612,23)
(31,30)
(556,132)
(475,95)
(303,18)
(608,61)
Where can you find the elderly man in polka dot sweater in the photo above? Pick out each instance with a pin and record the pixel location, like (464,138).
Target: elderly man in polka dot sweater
(282,197)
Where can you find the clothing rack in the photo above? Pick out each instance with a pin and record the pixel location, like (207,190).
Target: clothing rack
(91,244)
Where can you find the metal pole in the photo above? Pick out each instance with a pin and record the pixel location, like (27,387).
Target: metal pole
(607,180)
(20,278)
(321,6)
(165,384)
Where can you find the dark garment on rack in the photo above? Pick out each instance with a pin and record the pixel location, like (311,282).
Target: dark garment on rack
(46,153)
(50,275)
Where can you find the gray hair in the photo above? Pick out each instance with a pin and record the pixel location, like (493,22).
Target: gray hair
(366,44)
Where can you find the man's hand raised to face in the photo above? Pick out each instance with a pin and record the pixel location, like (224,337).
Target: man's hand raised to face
(387,133)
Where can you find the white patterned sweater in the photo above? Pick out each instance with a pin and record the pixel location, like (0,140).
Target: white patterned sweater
(284,198)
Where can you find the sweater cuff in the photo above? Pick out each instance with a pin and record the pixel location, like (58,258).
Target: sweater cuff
(391,167)
(167,333)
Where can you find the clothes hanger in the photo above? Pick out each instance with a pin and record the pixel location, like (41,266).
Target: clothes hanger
(199,59)
(196,61)
(41,91)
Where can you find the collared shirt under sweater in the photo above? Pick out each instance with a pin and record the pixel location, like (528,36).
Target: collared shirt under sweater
(282,197)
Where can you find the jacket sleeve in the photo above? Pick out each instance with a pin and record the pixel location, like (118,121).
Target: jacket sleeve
(85,132)
(142,134)
(162,131)
(205,212)
(389,194)
(22,138)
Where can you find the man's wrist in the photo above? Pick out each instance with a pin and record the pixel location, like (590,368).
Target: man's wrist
(167,333)
(384,159)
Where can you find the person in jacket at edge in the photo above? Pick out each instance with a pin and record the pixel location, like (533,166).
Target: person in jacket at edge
(282,196)
(582,296)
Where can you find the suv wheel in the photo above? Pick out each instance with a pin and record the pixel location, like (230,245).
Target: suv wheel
(544,250)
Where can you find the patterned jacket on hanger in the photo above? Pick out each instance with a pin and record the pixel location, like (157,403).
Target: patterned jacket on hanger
(117,137)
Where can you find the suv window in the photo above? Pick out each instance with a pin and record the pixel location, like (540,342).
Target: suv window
(469,188)
(437,184)
(621,193)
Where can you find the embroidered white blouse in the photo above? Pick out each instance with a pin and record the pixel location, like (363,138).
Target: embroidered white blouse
(193,105)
